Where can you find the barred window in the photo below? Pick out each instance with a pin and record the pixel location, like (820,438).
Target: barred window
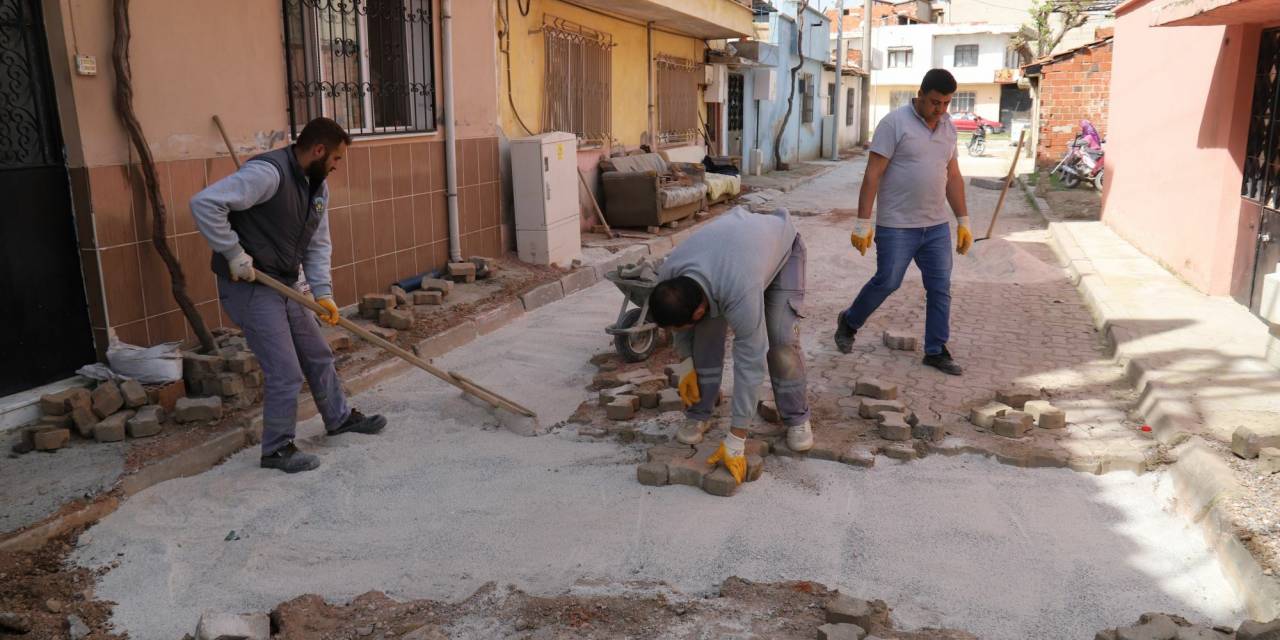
(806,98)
(368,64)
(966,55)
(848,107)
(677,100)
(579,77)
(831,99)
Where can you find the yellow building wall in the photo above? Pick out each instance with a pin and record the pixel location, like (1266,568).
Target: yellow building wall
(629,96)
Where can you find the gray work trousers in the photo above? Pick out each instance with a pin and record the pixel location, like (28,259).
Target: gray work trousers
(286,338)
(783,308)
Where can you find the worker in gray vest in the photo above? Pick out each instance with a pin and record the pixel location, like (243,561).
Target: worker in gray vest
(746,272)
(272,216)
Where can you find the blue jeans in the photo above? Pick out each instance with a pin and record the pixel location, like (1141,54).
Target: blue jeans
(930,247)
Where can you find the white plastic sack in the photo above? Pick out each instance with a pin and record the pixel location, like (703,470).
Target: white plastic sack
(151,365)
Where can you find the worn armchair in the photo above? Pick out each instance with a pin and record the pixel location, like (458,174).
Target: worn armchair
(645,190)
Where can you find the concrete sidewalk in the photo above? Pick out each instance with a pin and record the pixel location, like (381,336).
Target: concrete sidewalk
(1199,361)
(1199,365)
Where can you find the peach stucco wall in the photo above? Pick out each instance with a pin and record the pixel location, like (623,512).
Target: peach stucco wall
(191,60)
(1175,145)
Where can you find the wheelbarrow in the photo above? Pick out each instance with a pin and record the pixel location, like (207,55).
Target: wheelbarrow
(633,335)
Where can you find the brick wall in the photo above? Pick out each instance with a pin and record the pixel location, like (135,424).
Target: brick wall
(1073,89)
(387,218)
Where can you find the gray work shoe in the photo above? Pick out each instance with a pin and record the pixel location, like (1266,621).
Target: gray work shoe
(844,335)
(691,432)
(290,460)
(357,422)
(800,437)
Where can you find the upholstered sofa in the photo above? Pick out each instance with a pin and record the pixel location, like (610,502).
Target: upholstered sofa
(645,190)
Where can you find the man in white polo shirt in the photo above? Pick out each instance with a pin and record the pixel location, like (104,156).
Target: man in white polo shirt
(913,171)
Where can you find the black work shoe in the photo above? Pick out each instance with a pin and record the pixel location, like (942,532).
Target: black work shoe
(844,335)
(290,460)
(943,362)
(357,422)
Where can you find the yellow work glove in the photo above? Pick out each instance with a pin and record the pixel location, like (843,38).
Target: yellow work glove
(330,318)
(689,392)
(964,237)
(863,233)
(737,465)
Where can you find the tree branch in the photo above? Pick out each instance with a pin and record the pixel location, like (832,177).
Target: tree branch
(124,108)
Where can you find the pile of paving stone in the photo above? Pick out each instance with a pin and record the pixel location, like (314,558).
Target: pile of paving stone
(672,463)
(396,310)
(108,412)
(645,270)
(1160,626)
(1014,413)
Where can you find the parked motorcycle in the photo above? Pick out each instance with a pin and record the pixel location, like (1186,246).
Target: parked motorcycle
(1084,159)
(978,142)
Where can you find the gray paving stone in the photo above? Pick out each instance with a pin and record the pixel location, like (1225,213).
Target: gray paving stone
(841,632)
(1017,397)
(893,426)
(106,398)
(1013,424)
(878,389)
(197,409)
(669,400)
(928,431)
(112,428)
(985,415)
(134,395)
(146,422)
(871,408)
(1269,460)
(720,483)
(653,474)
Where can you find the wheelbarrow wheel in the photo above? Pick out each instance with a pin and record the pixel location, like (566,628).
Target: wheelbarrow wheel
(635,347)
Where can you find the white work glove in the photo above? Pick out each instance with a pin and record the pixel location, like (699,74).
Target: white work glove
(242,268)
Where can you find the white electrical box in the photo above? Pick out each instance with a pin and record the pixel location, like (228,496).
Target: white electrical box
(717,83)
(545,183)
(764,84)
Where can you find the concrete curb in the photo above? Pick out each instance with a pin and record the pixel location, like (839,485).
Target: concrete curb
(1200,479)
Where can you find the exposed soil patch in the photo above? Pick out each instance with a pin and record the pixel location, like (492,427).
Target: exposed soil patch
(42,590)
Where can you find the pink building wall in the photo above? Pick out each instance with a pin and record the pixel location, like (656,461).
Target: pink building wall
(1180,99)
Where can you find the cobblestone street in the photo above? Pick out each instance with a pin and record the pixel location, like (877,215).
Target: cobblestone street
(1017,321)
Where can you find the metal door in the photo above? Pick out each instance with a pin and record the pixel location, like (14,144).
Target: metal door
(735,114)
(46,332)
(1262,163)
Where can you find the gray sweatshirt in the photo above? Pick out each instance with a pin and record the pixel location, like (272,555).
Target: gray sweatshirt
(254,184)
(734,259)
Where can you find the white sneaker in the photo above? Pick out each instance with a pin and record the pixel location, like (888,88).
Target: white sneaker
(691,431)
(800,437)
